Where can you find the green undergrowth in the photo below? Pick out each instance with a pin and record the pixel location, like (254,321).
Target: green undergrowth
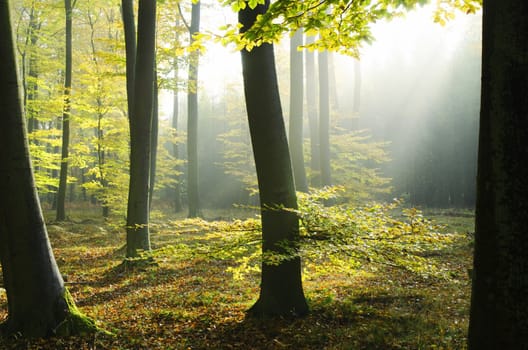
(192,290)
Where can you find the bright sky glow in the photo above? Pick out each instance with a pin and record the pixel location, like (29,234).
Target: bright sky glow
(221,66)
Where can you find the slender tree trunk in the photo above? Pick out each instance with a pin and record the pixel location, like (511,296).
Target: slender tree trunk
(324,120)
(63,176)
(32,76)
(296,112)
(357,87)
(332,83)
(175,149)
(499,303)
(154,138)
(138,235)
(281,291)
(99,132)
(311,99)
(38,303)
(101,163)
(192,120)
(357,96)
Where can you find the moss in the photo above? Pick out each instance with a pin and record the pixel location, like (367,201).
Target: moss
(75,322)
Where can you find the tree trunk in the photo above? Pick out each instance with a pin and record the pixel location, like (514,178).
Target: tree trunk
(63,176)
(127,11)
(332,83)
(357,87)
(138,235)
(192,119)
(281,291)
(356,123)
(154,137)
(296,112)
(38,303)
(499,303)
(324,119)
(311,96)
(32,85)
(175,149)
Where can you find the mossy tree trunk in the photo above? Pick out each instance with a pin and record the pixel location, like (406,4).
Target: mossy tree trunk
(499,302)
(38,303)
(281,292)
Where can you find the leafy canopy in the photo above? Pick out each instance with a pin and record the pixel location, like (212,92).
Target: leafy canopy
(340,25)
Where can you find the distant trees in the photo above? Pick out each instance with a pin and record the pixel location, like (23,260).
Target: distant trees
(296,136)
(63,177)
(174,123)
(499,307)
(281,290)
(313,116)
(98,146)
(38,303)
(192,118)
(324,119)
(29,65)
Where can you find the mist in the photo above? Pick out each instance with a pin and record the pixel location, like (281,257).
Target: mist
(404,116)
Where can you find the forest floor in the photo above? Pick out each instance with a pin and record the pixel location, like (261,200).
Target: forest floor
(175,302)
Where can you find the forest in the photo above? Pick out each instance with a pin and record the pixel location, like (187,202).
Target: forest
(256,174)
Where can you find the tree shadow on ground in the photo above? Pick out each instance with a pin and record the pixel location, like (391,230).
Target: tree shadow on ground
(356,324)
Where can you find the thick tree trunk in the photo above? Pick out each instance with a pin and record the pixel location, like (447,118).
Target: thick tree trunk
(138,235)
(499,303)
(63,176)
(324,119)
(296,112)
(281,291)
(192,119)
(311,99)
(38,304)
(127,11)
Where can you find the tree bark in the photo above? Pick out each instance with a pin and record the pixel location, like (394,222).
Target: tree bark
(154,137)
(324,120)
(357,88)
(127,11)
(38,303)
(311,98)
(63,175)
(175,148)
(296,112)
(138,234)
(192,119)
(499,303)
(281,291)
(332,82)
(31,86)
